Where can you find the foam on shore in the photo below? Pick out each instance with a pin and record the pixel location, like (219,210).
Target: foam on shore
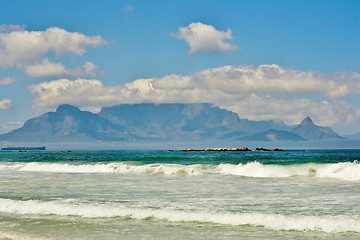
(329,224)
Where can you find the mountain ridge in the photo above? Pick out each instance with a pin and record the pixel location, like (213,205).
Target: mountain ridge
(149,121)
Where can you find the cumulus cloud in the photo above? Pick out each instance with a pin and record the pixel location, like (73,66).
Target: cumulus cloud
(292,110)
(263,92)
(6,28)
(5,103)
(82,92)
(28,50)
(87,69)
(47,68)
(273,78)
(203,38)
(7,80)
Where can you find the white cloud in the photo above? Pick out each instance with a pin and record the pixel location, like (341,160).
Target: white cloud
(293,110)
(29,50)
(87,69)
(7,80)
(265,92)
(5,103)
(6,28)
(87,93)
(47,68)
(273,78)
(203,38)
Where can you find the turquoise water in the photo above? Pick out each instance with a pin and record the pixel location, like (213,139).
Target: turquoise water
(175,195)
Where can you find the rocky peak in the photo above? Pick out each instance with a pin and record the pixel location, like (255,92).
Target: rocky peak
(67,108)
(307,122)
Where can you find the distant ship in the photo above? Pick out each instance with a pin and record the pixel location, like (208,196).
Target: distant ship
(6,148)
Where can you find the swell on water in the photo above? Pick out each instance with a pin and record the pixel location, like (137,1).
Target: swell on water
(329,224)
(346,171)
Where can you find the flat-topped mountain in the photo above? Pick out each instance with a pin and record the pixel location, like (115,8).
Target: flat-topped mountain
(197,120)
(134,122)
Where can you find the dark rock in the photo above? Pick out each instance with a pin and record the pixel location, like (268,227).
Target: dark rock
(263,149)
(278,150)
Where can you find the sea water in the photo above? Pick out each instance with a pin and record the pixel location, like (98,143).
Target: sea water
(180,195)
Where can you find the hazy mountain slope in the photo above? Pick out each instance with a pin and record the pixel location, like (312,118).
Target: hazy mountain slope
(67,123)
(353,136)
(260,126)
(309,130)
(273,135)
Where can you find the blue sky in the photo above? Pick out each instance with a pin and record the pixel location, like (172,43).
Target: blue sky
(263,59)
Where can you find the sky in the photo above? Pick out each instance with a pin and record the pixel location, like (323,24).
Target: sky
(262,59)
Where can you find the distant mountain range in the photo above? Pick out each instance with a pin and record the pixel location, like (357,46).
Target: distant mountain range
(147,121)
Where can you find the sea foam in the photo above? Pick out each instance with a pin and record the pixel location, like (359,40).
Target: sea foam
(160,169)
(346,171)
(329,224)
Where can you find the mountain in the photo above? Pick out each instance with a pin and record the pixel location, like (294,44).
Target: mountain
(147,121)
(307,129)
(176,120)
(67,123)
(260,126)
(273,135)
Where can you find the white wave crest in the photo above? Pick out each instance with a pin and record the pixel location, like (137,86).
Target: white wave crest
(160,169)
(328,224)
(347,171)
(18,236)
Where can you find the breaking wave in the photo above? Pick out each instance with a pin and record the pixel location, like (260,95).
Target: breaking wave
(346,171)
(161,169)
(329,224)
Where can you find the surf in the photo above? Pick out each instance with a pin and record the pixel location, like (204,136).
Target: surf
(120,168)
(344,171)
(328,224)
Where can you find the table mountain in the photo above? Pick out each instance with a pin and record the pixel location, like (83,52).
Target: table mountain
(197,120)
(147,121)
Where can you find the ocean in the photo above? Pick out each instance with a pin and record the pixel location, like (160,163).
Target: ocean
(294,194)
